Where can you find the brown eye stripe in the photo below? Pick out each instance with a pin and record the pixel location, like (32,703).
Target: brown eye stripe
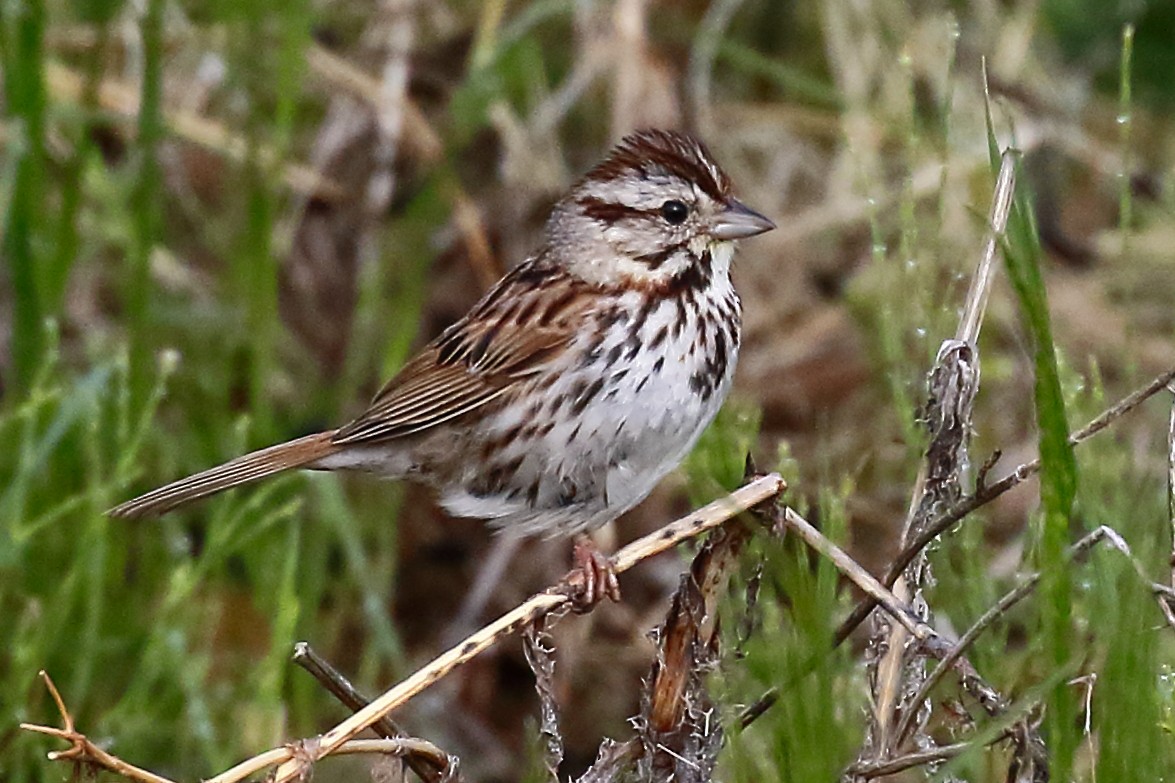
(609,211)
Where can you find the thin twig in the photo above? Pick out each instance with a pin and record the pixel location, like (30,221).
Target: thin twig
(296,758)
(858,575)
(81,749)
(944,521)
(876,769)
(307,751)
(429,769)
(340,687)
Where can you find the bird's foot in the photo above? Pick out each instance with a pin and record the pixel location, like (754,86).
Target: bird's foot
(592,577)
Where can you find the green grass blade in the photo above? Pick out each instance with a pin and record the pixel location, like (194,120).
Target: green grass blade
(145,204)
(1058,475)
(22,27)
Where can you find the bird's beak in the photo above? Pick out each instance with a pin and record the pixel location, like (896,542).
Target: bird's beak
(738,221)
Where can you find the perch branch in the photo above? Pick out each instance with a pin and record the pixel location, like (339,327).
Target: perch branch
(693,524)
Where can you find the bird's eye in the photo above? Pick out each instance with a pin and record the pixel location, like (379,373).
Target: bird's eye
(674,212)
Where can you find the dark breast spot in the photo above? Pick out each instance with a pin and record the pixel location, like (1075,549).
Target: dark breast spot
(720,349)
(494,480)
(701,385)
(659,337)
(633,341)
(614,354)
(555,403)
(586,395)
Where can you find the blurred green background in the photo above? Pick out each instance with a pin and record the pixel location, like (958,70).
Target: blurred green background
(225,223)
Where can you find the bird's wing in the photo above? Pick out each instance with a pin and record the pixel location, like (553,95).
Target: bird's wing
(521,326)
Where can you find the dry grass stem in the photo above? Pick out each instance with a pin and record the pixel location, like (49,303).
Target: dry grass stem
(995,612)
(337,72)
(679,731)
(539,649)
(122,99)
(876,769)
(997,224)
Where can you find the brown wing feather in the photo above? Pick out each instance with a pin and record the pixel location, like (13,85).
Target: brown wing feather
(517,329)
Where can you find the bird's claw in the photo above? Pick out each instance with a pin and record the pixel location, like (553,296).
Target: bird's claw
(592,577)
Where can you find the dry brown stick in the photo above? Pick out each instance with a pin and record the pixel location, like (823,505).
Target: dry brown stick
(858,575)
(340,687)
(989,492)
(876,769)
(83,751)
(677,737)
(431,769)
(667,537)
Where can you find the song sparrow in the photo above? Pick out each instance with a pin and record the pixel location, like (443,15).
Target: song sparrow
(582,378)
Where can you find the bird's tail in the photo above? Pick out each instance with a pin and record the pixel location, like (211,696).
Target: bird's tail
(245,469)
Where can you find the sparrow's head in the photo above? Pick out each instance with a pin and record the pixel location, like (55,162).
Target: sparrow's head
(654,209)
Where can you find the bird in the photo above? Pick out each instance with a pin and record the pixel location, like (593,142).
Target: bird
(577,382)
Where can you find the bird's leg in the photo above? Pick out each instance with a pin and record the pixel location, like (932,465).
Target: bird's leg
(592,569)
